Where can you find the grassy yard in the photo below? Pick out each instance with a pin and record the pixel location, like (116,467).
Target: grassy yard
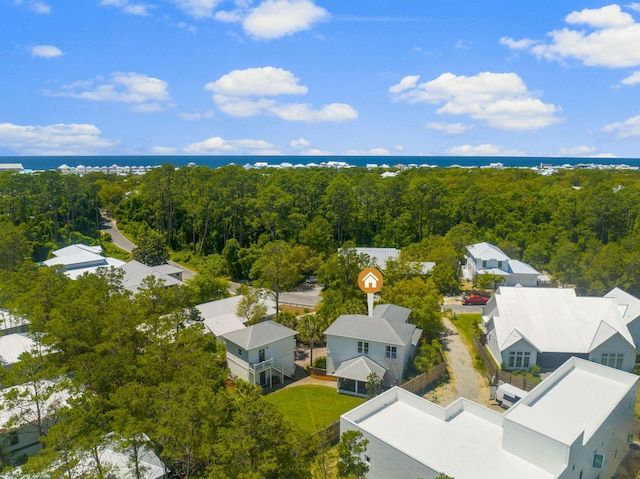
(312,407)
(464,323)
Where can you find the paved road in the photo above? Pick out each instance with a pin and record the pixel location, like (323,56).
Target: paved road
(109,226)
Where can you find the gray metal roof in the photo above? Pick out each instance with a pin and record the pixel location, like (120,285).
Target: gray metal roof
(392,312)
(258,335)
(487,251)
(375,329)
(135,272)
(359,369)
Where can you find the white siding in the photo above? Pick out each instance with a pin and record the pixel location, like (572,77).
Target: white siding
(616,345)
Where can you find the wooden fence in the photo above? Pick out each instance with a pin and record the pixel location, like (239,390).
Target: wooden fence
(422,382)
(495,375)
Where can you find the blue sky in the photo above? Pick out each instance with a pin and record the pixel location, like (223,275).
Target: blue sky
(309,77)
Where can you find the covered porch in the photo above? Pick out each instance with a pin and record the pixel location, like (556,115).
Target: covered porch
(352,375)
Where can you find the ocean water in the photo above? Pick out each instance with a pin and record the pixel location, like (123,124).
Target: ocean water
(53,162)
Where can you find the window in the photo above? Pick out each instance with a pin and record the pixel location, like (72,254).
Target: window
(239,352)
(484,263)
(499,264)
(391,352)
(519,359)
(363,347)
(598,461)
(612,360)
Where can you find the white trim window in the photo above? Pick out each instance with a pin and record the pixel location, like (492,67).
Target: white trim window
(363,347)
(391,352)
(613,360)
(519,359)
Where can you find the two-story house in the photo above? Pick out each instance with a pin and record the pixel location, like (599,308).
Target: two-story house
(485,258)
(358,345)
(259,352)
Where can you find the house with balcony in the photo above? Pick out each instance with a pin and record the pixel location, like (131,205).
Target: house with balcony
(485,258)
(576,424)
(358,345)
(261,353)
(547,326)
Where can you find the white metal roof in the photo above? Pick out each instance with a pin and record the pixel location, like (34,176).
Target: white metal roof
(220,316)
(259,335)
(135,272)
(380,255)
(12,346)
(518,267)
(23,410)
(554,319)
(486,252)
(629,304)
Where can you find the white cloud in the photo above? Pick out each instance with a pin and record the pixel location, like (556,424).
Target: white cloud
(278,18)
(58,139)
(163,150)
(35,6)
(632,79)
(449,128)
(316,152)
(217,144)
(624,129)
(577,151)
(609,38)
(371,152)
(482,150)
(634,6)
(127,7)
(46,51)
(244,93)
(196,116)
(146,93)
(335,112)
(197,8)
(265,81)
(300,143)
(406,83)
(502,100)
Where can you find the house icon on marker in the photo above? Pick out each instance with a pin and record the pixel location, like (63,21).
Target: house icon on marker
(370,280)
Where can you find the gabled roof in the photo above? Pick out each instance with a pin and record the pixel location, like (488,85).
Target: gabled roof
(380,255)
(629,304)
(78,259)
(518,267)
(259,335)
(220,316)
(514,338)
(392,312)
(365,328)
(487,251)
(554,319)
(77,249)
(359,369)
(135,272)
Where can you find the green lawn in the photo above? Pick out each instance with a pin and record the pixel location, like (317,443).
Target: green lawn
(464,324)
(312,407)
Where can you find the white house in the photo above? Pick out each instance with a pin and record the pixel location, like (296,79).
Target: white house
(486,258)
(221,317)
(358,345)
(380,256)
(546,326)
(576,424)
(22,419)
(259,352)
(78,259)
(12,346)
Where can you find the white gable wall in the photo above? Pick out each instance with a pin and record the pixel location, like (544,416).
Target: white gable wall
(281,351)
(340,349)
(523,347)
(615,345)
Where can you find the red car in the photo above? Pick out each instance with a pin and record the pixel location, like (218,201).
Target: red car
(476,299)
